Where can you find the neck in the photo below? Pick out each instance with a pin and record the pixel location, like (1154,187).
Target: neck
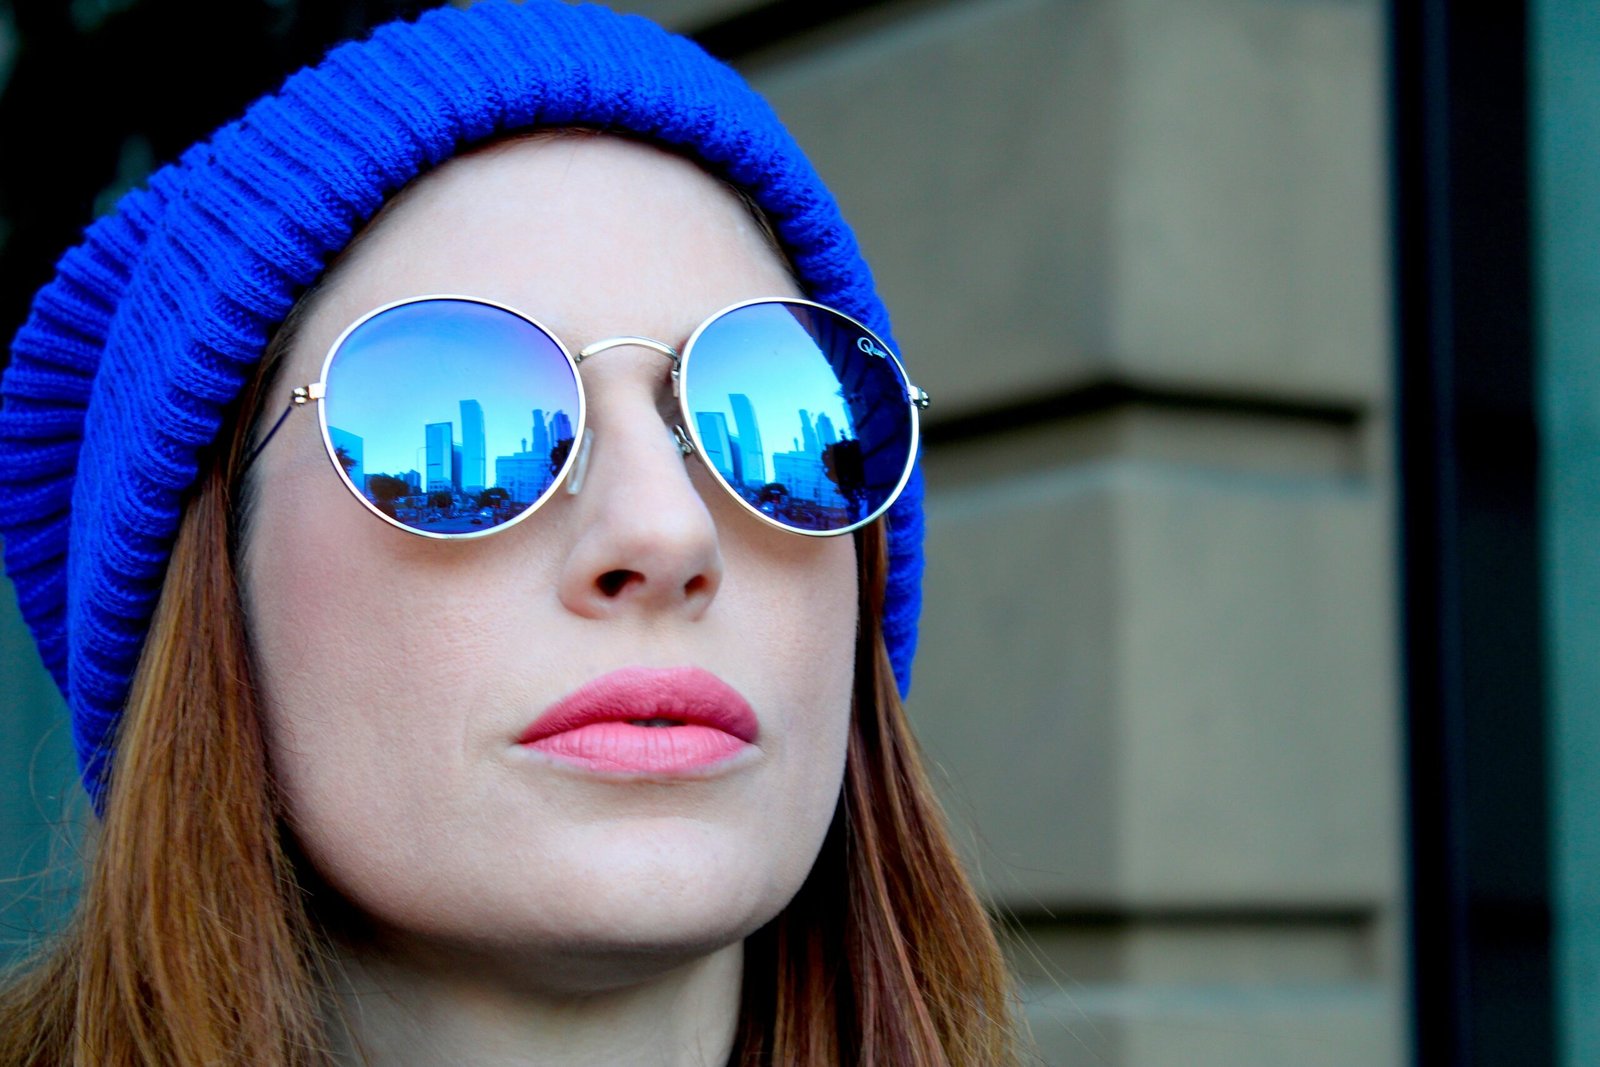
(386,1012)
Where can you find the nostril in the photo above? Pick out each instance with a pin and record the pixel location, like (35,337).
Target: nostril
(696,585)
(613,582)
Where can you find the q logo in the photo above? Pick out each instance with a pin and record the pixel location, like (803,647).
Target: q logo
(867,345)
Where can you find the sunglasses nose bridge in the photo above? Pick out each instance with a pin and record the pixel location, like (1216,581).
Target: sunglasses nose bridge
(684,445)
(633,340)
(625,341)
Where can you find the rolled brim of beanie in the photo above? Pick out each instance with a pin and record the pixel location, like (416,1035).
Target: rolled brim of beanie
(131,356)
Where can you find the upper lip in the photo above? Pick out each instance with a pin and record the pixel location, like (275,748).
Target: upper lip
(687,694)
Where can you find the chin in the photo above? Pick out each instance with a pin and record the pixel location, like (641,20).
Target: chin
(585,947)
(586,915)
(675,897)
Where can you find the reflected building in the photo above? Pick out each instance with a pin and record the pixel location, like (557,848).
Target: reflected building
(752,463)
(440,455)
(807,435)
(353,449)
(806,479)
(473,461)
(541,435)
(826,436)
(714,443)
(455,466)
(560,429)
(523,475)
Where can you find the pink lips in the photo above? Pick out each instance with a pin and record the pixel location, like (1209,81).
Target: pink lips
(644,721)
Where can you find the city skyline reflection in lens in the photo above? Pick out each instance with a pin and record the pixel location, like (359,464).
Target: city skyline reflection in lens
(800,412)
(448,415)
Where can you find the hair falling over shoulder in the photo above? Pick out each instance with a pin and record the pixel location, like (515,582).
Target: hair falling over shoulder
(193,944)
(886,957)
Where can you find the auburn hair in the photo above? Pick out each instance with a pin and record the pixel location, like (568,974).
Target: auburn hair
(193,943)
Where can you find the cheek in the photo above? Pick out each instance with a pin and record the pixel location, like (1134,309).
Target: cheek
(347,656)
(322,618)
(804,617)
(319,652)
(348,615)
(807,611)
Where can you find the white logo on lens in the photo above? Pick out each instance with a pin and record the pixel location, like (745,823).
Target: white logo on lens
(866,345)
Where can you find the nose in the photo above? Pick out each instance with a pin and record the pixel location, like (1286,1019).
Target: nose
(646,542)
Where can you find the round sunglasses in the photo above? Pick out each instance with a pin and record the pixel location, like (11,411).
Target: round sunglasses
(455,417)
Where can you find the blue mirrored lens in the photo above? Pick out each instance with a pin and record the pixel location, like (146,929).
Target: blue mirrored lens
(802,413)
(450,416)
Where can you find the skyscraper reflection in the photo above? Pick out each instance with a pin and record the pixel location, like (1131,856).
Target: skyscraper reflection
(473,466)
(454,492)
(752,460)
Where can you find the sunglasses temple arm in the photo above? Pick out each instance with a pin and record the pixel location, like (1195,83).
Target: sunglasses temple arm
(251,458)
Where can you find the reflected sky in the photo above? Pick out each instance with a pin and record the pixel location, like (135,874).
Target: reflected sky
(808,381)
(413,365)
(765,354)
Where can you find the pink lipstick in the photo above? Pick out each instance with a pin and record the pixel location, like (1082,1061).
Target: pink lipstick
(646,721)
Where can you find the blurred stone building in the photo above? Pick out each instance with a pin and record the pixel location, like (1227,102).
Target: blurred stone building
(1137,251)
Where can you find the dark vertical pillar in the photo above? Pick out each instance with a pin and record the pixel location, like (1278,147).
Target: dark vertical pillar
(1480,879)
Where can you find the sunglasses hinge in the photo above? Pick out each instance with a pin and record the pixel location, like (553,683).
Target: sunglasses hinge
(685,445)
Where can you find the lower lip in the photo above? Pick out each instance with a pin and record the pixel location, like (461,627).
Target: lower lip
(622,748)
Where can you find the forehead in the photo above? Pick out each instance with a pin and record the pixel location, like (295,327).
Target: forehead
(592,235)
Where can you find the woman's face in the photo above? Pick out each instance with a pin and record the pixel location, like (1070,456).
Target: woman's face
(400,675)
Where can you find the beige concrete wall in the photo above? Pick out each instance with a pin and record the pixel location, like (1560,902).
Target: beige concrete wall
(1136,250)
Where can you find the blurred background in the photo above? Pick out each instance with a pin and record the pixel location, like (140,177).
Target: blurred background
(1262,598)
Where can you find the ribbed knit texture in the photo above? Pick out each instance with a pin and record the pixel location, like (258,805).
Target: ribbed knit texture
(129,357)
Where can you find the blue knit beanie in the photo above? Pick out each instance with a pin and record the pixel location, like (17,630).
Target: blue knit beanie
(132,354)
